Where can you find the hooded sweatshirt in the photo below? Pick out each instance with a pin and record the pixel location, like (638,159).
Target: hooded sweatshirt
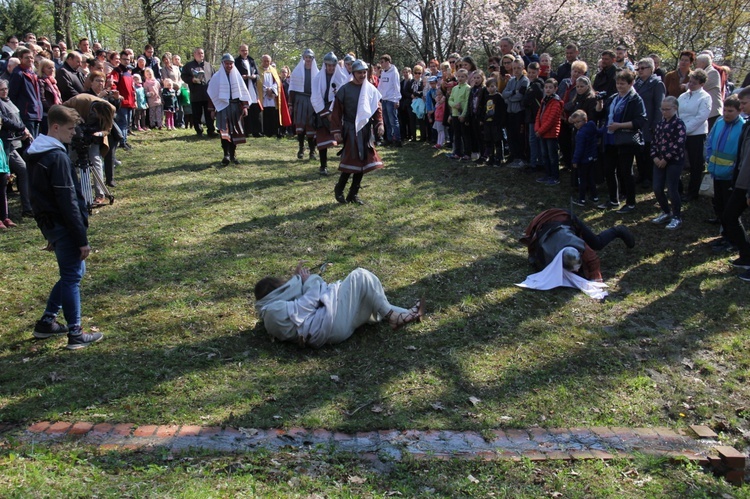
(56,195)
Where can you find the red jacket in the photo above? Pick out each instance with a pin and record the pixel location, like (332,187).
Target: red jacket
(122,81)
(547,123)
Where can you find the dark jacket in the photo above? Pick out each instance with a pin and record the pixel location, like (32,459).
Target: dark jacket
(477,104)
(605,81)
(69,81)
(56,195)
(633,111)
(652,92)
(203,71)
(404,104)
(583,102)
(153,63)
(13,127)
(26,93)
(240,65)
(587,144)
(532,99)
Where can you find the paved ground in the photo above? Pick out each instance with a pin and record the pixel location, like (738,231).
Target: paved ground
(698,444)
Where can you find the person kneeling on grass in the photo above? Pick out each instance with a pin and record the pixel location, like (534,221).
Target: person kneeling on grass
(307,310)
(555,230)
(61,214)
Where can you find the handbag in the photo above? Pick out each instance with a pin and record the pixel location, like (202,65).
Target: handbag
(707,186)
(628,137)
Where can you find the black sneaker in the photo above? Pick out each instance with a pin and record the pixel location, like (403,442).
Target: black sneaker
(740,263)
(578,202)
(745,276)
(43,330)
(82,340)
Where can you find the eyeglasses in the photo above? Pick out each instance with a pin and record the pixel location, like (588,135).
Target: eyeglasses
(452,62)
(417,72)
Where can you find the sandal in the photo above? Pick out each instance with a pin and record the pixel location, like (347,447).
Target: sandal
(414,314)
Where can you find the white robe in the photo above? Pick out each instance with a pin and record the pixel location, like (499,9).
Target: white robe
(555,275)
(219,85)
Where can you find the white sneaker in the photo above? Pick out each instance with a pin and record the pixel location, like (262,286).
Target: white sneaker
(676,223)
(661,219)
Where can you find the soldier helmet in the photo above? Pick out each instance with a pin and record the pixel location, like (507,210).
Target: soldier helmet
(359,65)
(308,52)
(348,58)
(227,57)
(330,58)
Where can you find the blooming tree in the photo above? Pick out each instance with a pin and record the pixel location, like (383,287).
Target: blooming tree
(593,25)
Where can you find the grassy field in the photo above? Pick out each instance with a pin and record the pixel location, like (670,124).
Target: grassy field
(176,257)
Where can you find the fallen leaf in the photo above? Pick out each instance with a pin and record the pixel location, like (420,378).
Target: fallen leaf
(334,378)
(474,401)
(357,480)
(472,479)
(437,406)
(377,409)
(54,377)
(410,347)
(277,417)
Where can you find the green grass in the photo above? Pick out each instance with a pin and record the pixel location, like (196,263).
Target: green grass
(176,257)
(73,471)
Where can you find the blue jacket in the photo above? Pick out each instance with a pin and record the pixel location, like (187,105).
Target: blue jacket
(25,92)
(721,148)
(587,143)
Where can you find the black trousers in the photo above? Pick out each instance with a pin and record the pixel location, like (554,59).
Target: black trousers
(730,220)
(618,171)
(253,124)
(201,109)
(694,150)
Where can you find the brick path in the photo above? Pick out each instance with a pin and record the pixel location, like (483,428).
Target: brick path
(699,444)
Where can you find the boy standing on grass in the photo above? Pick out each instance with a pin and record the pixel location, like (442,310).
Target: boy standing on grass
(547,129)
(459,104)
(584,156)
(60,213)
(738,199)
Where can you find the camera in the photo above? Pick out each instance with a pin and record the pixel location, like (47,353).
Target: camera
(601,95)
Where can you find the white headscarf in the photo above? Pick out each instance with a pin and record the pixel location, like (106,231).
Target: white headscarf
(219,85)
(297,80)
(338,79)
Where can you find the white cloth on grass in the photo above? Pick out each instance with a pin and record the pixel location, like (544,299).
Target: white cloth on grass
(555,275)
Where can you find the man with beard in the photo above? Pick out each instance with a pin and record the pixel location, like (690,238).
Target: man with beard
(356,105)
(324,88)
(270,90)
(230,99)
(197,73)
(300,89)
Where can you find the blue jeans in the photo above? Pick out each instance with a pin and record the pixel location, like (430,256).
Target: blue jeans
(669,176)
(123,118)
(535,148)
(66,293)
(550,157)
(390,117)
(33,127)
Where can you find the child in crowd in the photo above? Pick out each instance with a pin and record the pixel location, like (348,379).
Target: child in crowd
(585,155)
(547,129)
(492,132)
(545,66)
(141,105)
(153,93)
(721,152)
(5,221)
(668,153)
(473,131)
(187,108)
(447,83)
(439,117)
(514,93)
(459,105)
(531,102)
(429,106)
(169,101)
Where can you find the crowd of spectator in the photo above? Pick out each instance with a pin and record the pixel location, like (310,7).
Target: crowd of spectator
(622,121)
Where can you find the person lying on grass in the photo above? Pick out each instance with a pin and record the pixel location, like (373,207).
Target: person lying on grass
(555,230)
(313,313)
